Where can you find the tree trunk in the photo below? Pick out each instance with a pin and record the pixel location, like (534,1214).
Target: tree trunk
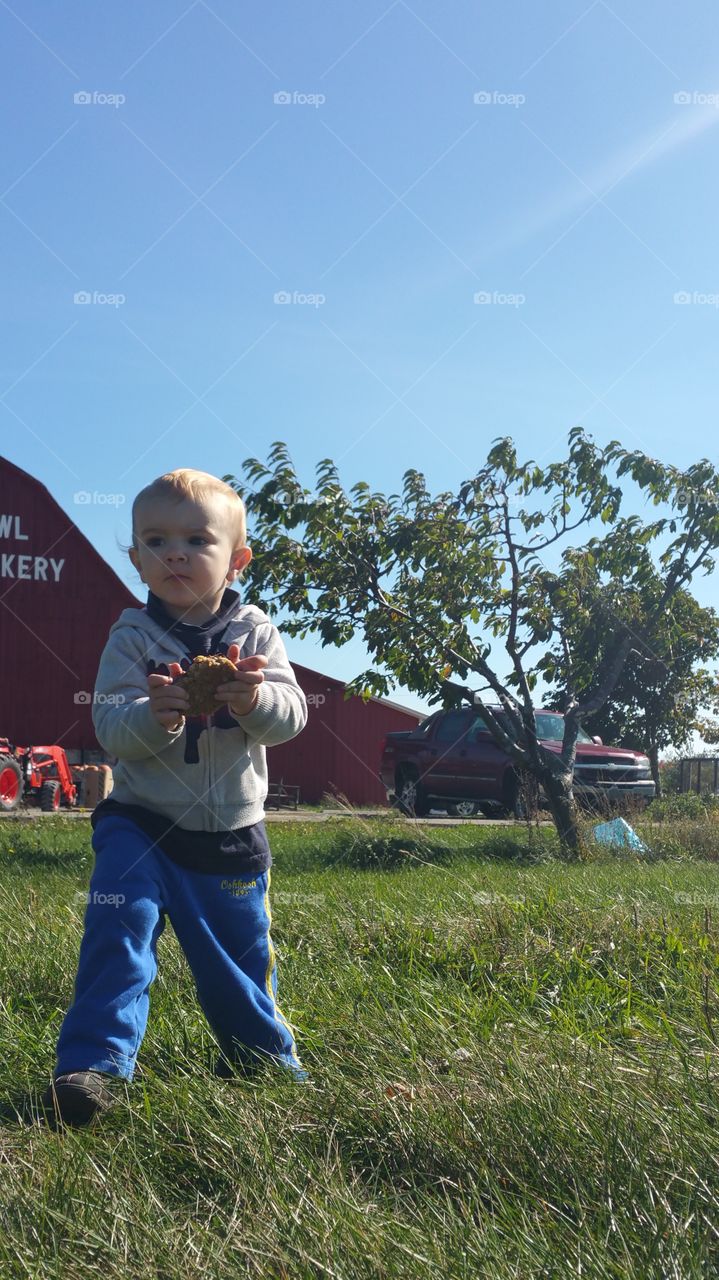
(563,808)
(653,753)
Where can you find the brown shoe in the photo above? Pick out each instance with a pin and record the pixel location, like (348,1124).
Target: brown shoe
(77,1097)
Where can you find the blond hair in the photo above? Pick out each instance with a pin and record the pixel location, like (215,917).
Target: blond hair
(198,486)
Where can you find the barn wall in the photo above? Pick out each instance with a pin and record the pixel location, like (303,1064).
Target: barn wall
(339,749)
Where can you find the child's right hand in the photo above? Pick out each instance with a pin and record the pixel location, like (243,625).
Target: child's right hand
(168,702)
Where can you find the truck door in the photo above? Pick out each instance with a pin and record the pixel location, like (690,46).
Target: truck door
(483,764)
(446,771)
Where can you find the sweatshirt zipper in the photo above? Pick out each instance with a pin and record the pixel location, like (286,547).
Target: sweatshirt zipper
(208,731)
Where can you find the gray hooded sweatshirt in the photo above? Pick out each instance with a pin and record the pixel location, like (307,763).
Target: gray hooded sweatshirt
(210,775)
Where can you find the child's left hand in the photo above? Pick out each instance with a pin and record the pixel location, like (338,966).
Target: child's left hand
(241,694)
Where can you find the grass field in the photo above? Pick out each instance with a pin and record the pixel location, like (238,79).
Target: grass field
(513,1065)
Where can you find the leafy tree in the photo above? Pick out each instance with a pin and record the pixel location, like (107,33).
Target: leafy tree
(428,580)
(708,730)
(657,698)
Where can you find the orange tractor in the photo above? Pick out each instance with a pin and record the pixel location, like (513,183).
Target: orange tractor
(37,775)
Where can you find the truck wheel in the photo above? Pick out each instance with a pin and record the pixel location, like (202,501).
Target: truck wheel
(462,809)
(10,784)
(50,797)
(411,796)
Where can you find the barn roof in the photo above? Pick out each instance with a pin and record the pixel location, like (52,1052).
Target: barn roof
(25,478)
(342,684)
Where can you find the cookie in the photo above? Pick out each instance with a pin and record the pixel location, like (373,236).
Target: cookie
(201,681)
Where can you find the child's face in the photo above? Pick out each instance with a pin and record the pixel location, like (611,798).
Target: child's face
(186,554)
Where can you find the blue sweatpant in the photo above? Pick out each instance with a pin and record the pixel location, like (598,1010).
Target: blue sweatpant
(222,923)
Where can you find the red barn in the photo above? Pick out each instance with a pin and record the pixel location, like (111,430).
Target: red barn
(53,582)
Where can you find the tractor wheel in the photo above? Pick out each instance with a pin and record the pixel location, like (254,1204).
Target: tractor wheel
(50,797)
(11,784)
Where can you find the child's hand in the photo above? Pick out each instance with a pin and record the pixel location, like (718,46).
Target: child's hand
(168,702)
(241,694)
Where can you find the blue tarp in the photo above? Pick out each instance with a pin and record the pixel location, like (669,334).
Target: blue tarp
(620,833)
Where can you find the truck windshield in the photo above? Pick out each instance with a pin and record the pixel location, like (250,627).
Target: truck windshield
(551,729)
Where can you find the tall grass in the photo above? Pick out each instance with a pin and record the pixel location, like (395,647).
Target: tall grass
(513,1061)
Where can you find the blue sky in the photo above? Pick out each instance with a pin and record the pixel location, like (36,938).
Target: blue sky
(381,197)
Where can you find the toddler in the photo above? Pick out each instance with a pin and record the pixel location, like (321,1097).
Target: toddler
(182,833)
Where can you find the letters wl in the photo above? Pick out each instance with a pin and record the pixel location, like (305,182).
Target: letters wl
(6,523)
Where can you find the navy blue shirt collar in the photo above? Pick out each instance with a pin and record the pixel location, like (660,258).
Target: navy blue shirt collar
(196,637)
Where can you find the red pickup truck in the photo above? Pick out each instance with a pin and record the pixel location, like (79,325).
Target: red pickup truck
(451,761)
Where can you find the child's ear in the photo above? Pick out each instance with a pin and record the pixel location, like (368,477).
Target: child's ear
(240,559)
(135,559)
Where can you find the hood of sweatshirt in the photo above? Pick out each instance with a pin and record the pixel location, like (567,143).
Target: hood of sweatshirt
(187,638)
